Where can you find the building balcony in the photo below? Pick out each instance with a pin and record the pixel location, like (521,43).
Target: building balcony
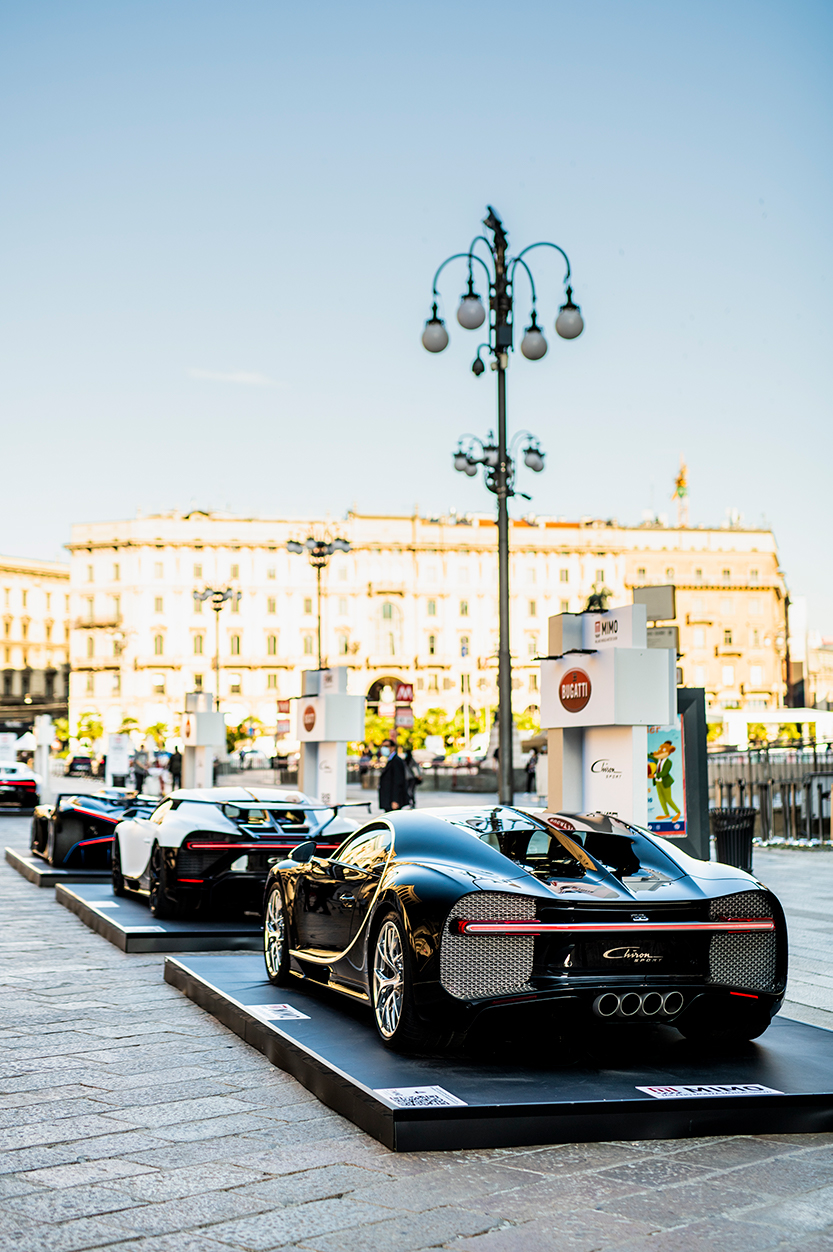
(104,622)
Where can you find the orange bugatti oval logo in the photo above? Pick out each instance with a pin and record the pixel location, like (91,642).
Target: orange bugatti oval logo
(574,690)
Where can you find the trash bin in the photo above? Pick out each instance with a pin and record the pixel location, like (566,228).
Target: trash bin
(733,830)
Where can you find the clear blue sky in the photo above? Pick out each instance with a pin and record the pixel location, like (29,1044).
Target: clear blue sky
(220,222)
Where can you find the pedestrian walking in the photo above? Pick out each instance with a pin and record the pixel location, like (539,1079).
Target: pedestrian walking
(393,785)
(531,765)
(139,776)
(175,768)
(413,777)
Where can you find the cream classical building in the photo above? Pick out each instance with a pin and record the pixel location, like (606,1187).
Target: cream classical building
(34,638)
(415,599)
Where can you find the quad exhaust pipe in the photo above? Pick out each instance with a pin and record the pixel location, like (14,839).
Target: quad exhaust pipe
(638,1004)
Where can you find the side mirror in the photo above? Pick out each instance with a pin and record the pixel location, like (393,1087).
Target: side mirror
(304,852)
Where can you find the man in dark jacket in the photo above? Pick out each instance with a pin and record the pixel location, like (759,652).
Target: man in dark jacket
(393,784)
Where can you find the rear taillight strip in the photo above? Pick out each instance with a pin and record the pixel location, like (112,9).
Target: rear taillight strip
(251,847)
(463,927)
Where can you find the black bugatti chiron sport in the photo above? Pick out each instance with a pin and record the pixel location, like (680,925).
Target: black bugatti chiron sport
(436,919)
(76,831)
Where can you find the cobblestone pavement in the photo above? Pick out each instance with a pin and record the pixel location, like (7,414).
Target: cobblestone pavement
(131,1119)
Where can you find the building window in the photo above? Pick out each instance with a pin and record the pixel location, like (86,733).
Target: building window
(235,604)
(753,575)
(669,573)
(116,691)
(198,682)
(235,684)
(48,601)
(342,606)
(343,644)
(90,646)
(198,571)
(308,605)
(387,612)
(90,608)
(271,605)
(755,640)
(90,573)
(7,597)
(235,645)
(727,606)
(198,645)
(24,629)
(198,605)
(533,608)
(116,574)
(464,645)
(235,572)
(158,645)
(308,645)
(433,682)
(271,572)
(271,645)
(464,608)
(432,608)
(157,604)
(48,629)
(342,573)
(90,684)
(727,576)
(755,607)
(698,575)
(699,637)
(158,570)
(117,607)
(727,638)
(533,682)
(564,576)
(600,575)
(272,682)
(432,645)
(532,645)
(699,675)
(756,675)
(640,573)
(728,675)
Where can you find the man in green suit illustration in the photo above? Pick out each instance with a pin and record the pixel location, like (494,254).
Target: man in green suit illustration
(659,771)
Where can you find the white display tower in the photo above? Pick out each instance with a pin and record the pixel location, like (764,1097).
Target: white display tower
(601,687)
(327,719)
(203,734)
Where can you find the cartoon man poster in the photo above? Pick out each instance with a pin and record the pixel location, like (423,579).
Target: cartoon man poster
(666,780)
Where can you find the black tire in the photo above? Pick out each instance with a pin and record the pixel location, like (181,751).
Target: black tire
(163,902)
(391,989)
(116,876)
(276,938)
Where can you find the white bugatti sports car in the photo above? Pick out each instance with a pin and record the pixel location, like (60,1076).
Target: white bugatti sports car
(209,851)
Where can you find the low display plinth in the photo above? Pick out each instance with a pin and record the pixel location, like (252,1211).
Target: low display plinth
(783,1083)
(42,874)
(128,923)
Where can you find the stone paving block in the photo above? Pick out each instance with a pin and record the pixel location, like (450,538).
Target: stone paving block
(72,1236)
(674,1206)
(714,1235)
(43,1111)
(787,1175)
(569,1157)
(182,1241)
(811,1211)
(584,1232)
(64,1130)
(406,1232)
(69,1202)
(151,1115)
(229,1149)
(172,1184)
(325,1183)
(443,1187)
(212,1127)
(186,1213)
(296,1223)
(83,1172)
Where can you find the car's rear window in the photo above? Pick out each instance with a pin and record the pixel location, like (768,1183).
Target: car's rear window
(552,852)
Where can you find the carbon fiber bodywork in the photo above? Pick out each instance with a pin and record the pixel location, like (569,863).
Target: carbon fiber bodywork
(76,832)
(675,935)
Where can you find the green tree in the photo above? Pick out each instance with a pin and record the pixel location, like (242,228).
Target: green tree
(158,732)
(528,720)
(377,729)
(248,730)
(62,729)
(128,725)
(90,728)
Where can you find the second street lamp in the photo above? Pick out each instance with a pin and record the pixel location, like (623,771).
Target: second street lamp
(496,456)
(319,552)
(218,599)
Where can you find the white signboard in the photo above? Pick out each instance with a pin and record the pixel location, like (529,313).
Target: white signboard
(420,1097)
(608,687)
(613,757)
(618,628)
(118,754)
(7,747)
(709,1089)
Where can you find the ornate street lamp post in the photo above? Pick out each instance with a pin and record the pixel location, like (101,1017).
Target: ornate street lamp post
(218,599)
(495,457)
(319,552)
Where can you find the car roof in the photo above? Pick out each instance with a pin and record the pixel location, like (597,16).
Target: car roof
(241,795)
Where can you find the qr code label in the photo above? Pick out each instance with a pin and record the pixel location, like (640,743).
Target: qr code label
(419,1097)
(277,1012)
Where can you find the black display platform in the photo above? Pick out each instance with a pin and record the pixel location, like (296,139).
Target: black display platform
(42,874)
(127,922)
(414,1103)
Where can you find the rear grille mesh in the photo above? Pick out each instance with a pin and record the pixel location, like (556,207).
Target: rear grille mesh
(737,960)
(473,966)
(195,864)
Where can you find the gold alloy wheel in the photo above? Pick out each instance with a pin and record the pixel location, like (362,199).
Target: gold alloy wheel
(388,978)
(274,933)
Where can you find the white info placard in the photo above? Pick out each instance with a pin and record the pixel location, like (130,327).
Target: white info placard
(709,1089)
(419,1097)
(277,1012)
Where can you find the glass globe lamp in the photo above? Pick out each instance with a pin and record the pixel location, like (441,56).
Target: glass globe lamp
(569,324)
(435,335)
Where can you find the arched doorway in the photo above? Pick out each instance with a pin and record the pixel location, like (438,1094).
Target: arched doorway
(382,691)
